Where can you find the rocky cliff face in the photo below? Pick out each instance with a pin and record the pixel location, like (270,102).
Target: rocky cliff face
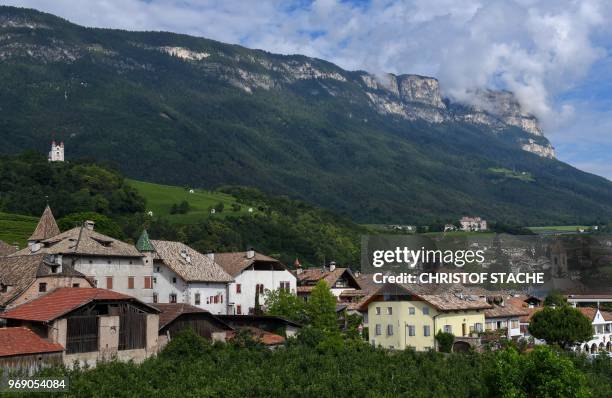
(419,97)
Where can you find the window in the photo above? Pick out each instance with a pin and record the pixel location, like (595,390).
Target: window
(515,324)
(478,327)
(389,330)
(377,310)
(411,311)
(130,282)
(174,279)
(489,325)
(411,330)
(426,331)
(286,286)
(448,329)
(155,299)
(109,282)
(238,288)
(425,310)
(365,318)
(378,329)
(259,288)
(239,309)
(148,283)
(172,298)
(156,269)
(197,299)
(389,310)
(42,287)
(76,285)
(217,299)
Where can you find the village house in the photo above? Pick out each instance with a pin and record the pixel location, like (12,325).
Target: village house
(602,331)
(253,274)
(23,350)
(108,262)
(56,154)
(341,282)
(473,224)
(90,324)
(401,318)
(24,278)
(504,318)
(174,318)
(184,275)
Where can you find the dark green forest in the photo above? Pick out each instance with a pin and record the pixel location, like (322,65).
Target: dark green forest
(242,117)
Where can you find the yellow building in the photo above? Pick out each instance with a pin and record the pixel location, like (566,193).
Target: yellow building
(398,318)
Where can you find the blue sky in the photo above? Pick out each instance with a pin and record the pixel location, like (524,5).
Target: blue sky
(555,55)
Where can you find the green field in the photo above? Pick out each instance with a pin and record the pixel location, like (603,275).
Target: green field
(558,228)
(16,229)
(160,199)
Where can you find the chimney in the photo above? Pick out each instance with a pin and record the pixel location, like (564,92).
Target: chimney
(250,253)
(332,266)
(89,224)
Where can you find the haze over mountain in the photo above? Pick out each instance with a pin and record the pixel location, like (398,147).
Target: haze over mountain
(182,110)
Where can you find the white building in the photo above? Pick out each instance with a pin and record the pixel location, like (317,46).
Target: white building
(602,331)
(184,275)
(253,272)
(109,263)
(473,224)
(56,154)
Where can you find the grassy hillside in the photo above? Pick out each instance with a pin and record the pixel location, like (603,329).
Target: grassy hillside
(15,228)
(161,198)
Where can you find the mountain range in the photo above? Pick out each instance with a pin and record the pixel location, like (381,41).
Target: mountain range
(183,110)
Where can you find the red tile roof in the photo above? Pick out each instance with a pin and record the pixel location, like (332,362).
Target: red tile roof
(22,341)
(263,337)
(60,302)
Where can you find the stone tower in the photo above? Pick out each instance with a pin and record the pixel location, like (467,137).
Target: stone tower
(57,152)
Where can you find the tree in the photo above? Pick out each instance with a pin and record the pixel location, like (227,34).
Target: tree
(183,207)
(282,303)
(445,341)
(556,299)
(541,373)
(103,224)
(257,310)
(564,326)
(321,308)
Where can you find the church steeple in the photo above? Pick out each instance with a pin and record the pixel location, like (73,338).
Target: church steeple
(46,228)
(144,244)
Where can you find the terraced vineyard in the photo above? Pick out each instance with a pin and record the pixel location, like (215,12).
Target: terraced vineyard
(16,228)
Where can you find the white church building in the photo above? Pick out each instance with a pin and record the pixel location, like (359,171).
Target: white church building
(56,154)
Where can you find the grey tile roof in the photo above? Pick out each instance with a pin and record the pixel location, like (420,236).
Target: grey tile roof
(47,227)
(188,263)
(83,241)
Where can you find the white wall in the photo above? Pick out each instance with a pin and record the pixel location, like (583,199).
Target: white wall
(120,269)
(185,292)
(512,332)
(249,279)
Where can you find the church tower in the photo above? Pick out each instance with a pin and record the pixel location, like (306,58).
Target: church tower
(57,152)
